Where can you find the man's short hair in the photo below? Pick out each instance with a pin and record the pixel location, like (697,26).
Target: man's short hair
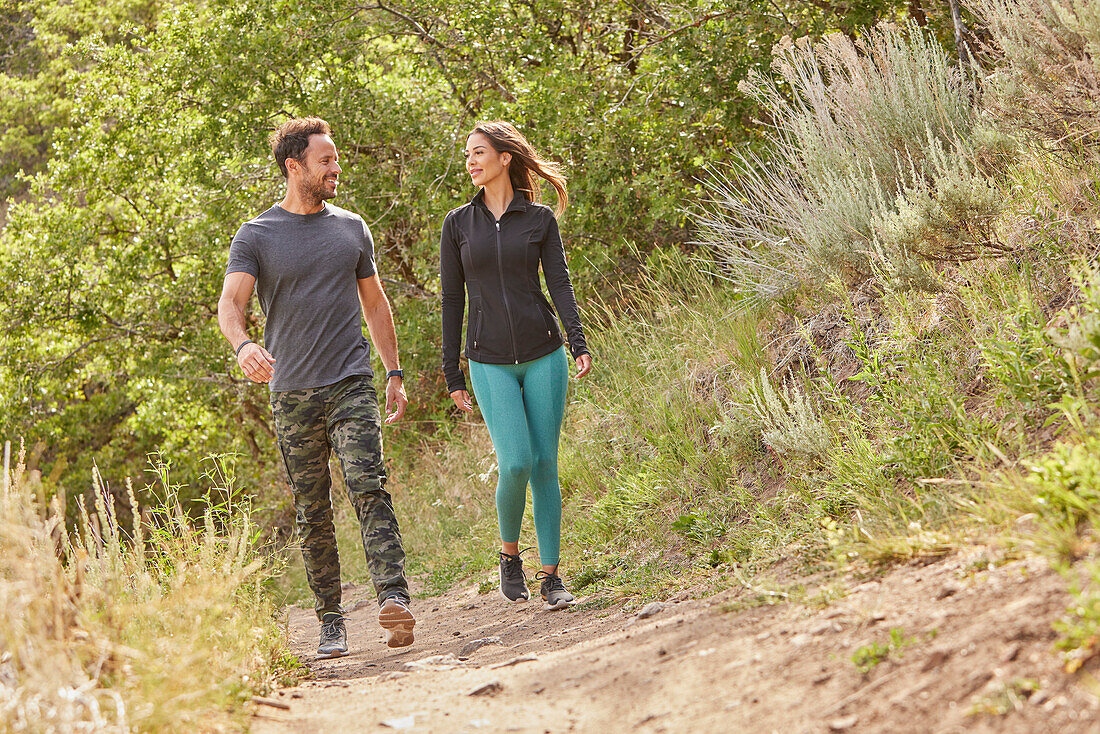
(291,138)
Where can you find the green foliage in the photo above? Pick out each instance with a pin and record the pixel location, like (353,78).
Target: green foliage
(699,526)
(1081,337)
(37,70)
(1066,484)
(1027,366)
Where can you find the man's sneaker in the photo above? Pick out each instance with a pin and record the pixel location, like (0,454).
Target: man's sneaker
(513,584)
(397,619)
(553,591)
(334,637)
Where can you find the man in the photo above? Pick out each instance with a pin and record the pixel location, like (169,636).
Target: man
(312,266)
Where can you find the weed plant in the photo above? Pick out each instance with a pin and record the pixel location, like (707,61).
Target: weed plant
(166,628)
(869,656)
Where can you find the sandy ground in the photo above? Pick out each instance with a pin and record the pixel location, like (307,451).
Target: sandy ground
(970,639)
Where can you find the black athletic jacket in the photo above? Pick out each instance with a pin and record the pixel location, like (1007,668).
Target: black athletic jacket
(498,264)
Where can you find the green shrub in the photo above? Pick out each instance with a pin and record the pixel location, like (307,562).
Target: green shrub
(788,421)
(1066,483)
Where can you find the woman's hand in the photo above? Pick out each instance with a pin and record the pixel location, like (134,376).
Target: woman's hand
(584,365)
(462,401)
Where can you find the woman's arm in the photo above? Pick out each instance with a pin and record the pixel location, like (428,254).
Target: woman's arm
(453,306)
(556,271)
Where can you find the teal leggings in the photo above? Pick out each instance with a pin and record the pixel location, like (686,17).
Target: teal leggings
(523,405)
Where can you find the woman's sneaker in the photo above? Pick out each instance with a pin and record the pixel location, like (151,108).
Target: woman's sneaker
(554,591)
(334,636)
(397,619)
(513,584)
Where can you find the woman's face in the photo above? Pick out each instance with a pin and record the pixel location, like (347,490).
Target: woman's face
(482,162)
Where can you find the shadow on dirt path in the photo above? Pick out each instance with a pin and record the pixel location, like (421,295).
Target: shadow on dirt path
(955,646)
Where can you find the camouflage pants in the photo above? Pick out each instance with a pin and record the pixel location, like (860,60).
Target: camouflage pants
(342,418)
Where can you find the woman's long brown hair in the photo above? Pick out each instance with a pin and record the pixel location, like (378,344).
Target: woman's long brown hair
(526,166)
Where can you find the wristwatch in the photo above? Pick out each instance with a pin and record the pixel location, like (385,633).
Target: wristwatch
(395,373)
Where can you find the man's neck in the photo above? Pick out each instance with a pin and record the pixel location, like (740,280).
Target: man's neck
(294,203)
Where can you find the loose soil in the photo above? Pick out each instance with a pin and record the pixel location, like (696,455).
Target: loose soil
(972,651)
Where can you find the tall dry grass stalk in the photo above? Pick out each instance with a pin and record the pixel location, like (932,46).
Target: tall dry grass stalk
(165,628)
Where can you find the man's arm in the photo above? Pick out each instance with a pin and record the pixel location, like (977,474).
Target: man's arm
(379,318)
(255,361)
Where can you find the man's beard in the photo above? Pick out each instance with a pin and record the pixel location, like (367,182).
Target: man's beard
(315,190)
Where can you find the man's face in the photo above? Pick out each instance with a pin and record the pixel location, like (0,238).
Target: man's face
(318,169)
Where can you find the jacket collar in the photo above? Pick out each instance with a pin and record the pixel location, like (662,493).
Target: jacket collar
(519,201)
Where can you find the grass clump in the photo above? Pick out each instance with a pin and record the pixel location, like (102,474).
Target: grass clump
(165,627)
(869,656)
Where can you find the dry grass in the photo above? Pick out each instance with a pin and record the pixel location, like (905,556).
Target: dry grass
(162,629)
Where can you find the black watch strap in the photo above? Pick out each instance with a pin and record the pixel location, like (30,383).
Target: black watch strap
(395,373)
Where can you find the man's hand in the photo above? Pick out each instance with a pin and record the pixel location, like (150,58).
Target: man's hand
(462,401)
(256,362)
(379,318)
(395,399)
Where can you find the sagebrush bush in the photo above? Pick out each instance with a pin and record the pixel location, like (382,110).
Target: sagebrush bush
(877,158)
(943,213)
(788,421)
(1047,77)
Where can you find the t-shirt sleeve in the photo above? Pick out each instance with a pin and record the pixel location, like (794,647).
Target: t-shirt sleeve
(366,267)
(242,254)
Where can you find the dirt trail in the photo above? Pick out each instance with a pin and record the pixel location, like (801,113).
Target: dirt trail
(967,641)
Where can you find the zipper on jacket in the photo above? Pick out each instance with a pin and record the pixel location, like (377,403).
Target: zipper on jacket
(504,293)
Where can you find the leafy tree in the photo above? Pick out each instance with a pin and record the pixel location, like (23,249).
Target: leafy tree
(156,144)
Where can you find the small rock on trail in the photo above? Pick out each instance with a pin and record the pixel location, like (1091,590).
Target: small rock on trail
(651,610)
(474,645)
(487,689)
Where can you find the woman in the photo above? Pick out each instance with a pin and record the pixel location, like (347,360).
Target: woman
(492,249)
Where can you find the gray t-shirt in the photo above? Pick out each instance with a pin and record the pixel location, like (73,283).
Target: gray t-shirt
(306,268)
